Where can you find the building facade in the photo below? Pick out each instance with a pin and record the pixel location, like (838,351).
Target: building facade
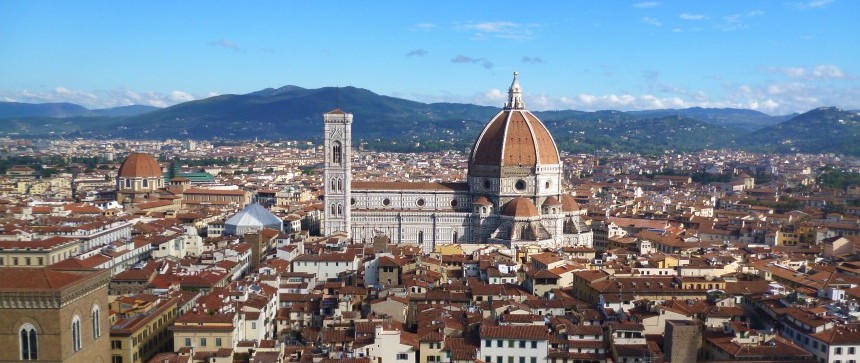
(512,194)
(54,315)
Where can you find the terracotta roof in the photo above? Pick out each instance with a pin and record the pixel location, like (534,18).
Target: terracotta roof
(523,332)
(514,138)
(139,165)
(520,207)
(568,204)
(551,201)
(214,191)
(48,243)
(29,279)
(482,200)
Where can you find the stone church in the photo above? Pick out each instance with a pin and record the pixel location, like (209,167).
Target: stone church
(512,196)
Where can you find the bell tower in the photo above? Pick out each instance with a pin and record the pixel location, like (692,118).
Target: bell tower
(337,172)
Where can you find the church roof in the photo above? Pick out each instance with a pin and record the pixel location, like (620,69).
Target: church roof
(139,165)
(568,204)
(551,201)
(482,200)
(520,207)
(255,215)
(448,186)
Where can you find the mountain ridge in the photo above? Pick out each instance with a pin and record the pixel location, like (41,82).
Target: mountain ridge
(390,123)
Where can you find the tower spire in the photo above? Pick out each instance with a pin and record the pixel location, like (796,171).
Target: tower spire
(515,95)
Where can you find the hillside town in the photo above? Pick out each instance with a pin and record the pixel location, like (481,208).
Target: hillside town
(188,251)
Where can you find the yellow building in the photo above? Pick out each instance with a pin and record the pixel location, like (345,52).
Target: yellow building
(37,253)
(140,327)
(204,332)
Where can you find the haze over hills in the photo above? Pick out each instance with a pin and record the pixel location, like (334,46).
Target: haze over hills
(390,123)
(64,110)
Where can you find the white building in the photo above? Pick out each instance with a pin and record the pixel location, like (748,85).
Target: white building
(514,343)
(512,194)
(387,347)
(327,265)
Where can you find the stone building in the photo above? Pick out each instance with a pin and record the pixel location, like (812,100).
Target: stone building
(512,195)
(54,315)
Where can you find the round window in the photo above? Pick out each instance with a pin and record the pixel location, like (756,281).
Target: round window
(487,184)
(351,201)
(386,202)
(520,185)
(454,203)
(420,202)
(547,184)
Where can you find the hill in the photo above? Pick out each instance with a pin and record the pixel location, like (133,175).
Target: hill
(57,110)
(389,123)
(65,110)
(822,130)
(735,118)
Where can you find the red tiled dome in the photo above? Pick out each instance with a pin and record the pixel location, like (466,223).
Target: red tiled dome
(140,165)
(514,137)
(520,207)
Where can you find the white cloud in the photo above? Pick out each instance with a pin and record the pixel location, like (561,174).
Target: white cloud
(687,16)
(651,21)
(814,4)
(827,71)
(500,29)
(102,98)
(646,4)
(821,72)
(424,26)
(179,97)
(738,21)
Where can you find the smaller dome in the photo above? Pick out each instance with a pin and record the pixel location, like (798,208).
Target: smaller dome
(551,202)
(568,204)
(140,165)
(520,207)
(482,200)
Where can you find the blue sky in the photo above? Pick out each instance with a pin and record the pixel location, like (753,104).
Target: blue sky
(773,56)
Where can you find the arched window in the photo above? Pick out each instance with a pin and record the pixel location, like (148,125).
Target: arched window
(29,342)
(420,237)
(333,209)
(128,183)
(145,183)
(339,209)
(455,237)
(97,329)
(333,185)
(339,184)
(76,333)
(336,153)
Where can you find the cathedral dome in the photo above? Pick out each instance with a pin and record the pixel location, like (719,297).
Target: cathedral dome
(520,207)
(568,204)
(514,137)
(140,165)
